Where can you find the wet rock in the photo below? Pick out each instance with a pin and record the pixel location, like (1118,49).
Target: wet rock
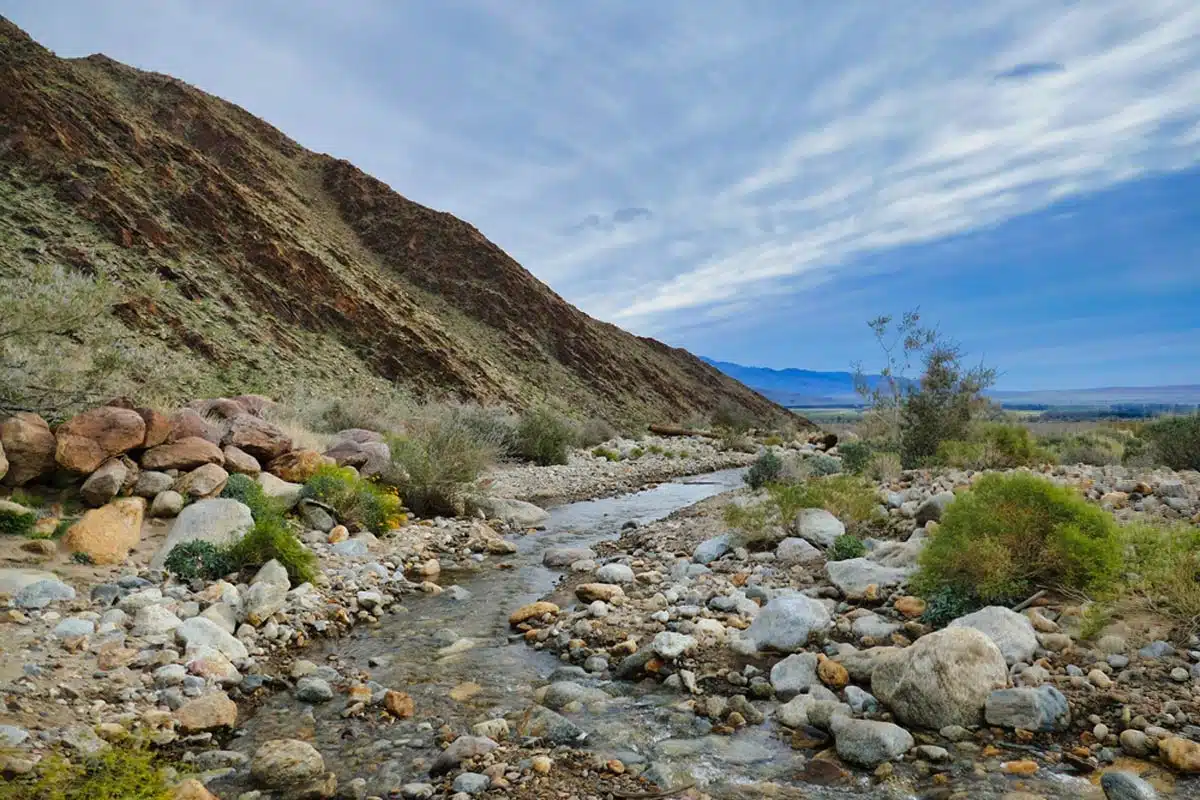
(560,557)
(29,447)
(553,727)
(794,675)
(712,549)
(204,481)
(107,534)
(220,521)
(931,510)
(87,440)
(785,623)
(286,763)
(463,747)
(184,454)
(1013,633)
(1126,786)
(867,743)
(561,694)
(942,679)
(1041,709)
(312,689)
(104,484)
(792,551)
(532,611)
(517,513)
(854,576)
(818,526)
(206,713)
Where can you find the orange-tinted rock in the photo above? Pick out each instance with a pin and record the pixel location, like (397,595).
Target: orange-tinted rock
(399,704)
(299,465)
(187,423)
(910,606)
(204,481)
(187,453)
(87,440)
(256,436)
(532,611)
(832,674)
(192,789)
(207,712)
(29,447)
(158,426)
(108,533)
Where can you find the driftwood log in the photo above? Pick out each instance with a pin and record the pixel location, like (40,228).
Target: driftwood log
(674,430)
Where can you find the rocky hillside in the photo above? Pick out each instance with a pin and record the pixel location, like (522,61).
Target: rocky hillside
(264,265)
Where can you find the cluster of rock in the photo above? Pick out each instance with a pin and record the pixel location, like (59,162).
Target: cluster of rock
(849,661)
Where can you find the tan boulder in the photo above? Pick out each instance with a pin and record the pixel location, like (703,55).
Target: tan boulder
(590,592)
(1180,754)
(187,423)
(192,789)
(186,453)
(532,611)
(239,461)
(299,465)
(29,447)
(108,533)
(207,712)
(158,426)
(204,481)
(399,704)
(87,440)
(257,437)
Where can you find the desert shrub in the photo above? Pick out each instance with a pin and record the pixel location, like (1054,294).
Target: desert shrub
(357,501)
(849,498)
(845,547)
(856,456)
(544,436)
(821,465)
(1176,441)
(436,463)
(947,604)
(595,431)
(739,442)
(491,427)
(1163,567)
(1096,616)
(774,440)
(122,772)
(381,411)
(248,491)
(198,559)
(271,538)
(732,417)
(636,453)
(752,522)
(1013,532)
(606,453)
(16,523)
(884,466)
(993,445)
(765,469)
(1137,452)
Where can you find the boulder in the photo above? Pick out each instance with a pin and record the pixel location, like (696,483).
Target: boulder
(559,557)
(792,551)
(368,457)
(517,513)
(154,620)
(205,481)
(1119,785)
(104,484)
(868,743)
(207,712)
(1013,633)
(43,592)
(854,576)
(785,623)
(818,526)
(240,462)
(462,748)
(201,632)
(285,493)
(183,454)
(931,510)
(150,484)
(614,573)
(256,436)
(158,427)
(29,447)
(167,504)
(608,592)
(87,440)
(1180,754)
(944,678)
(285,763)
(14,579)
(187,423)
(107,534)
(712,549)
(794,675)
(267,593)
(220,521)
(532,611)
(1041,709)
(298,466)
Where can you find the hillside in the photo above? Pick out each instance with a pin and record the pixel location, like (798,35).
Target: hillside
(256,265)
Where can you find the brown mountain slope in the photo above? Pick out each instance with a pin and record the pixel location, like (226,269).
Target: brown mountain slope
(272,266)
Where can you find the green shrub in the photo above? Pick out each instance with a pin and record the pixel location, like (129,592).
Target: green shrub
(765,469)
(249,492)
(948,604)
(821,465)
(1163,567)
(198,559)
(636,453)
(494,428)
(436,464)
(884,467)
(732,417)
(606,453)
(544,437)
(845,547)
(774,440)
(16,523)
(849,498)
(271,538)
(122,772)
(357,501)
(994,445)
(1137,452)
(856,456)
(595,431)
(1176,441)
(753,523)
(1013,532)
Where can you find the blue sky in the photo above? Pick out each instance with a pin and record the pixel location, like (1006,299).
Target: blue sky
(752,180)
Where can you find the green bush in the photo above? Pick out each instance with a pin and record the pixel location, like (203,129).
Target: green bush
(357,501)
(595,431)
(849,498)
(856,456)
(994,445)
(16,523)
(544,437)
(437,462)
(271,538)
(821,465)
(884,467)
(765,469)
(948,604)
(494,428)
(732,417)
(249,492)
(122,772)
(198,559)
(606,453)
(1013,532)
(1176,441)
(845,547)
(1163,566)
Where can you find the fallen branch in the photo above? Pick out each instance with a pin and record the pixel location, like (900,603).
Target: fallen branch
(1038,595)
(674,430)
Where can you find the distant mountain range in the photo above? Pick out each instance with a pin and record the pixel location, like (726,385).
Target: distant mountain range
(800,388)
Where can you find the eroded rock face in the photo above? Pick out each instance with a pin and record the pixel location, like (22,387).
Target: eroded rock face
(87,440)
(29,447)
(944,678)
(186,454)
(256,436)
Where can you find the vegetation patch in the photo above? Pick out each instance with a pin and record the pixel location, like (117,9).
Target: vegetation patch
(198,559)
(358,502)
(606,453)
(848,497)
(766,469)
(595,432)
(1014,532)
(438,460)
(856,456)
(845,547)
(16,523)
(271,538)
(1163,568)
(1176,441)
(127,772)
(249,492)
(994,445)
(544,437)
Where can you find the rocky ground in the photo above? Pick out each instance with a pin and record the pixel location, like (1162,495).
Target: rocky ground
(834,657)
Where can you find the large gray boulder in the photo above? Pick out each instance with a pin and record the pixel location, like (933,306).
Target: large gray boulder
(931,510)
(794,675)
(517,513)
(712,549)
(793,550)
(853,576)
(785,623)
(1013,633)
(1126,786)
(818,526)
(1042,709)
(868,743)
(286,493)
(942,679)
(220,521)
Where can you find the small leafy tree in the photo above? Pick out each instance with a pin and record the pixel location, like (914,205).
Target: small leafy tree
(901,342)
(942,407)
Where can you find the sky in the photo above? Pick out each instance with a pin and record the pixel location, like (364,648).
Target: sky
(754,179)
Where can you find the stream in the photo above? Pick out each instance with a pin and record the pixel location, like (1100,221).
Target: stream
(456,656)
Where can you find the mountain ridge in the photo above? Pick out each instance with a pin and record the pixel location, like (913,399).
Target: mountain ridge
(274,264)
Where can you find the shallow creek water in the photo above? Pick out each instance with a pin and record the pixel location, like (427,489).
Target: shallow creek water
(463,644)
